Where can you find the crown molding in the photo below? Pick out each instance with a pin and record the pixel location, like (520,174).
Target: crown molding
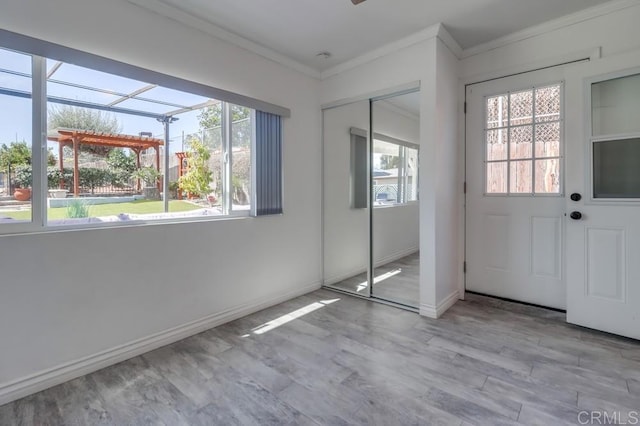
(549,26)
(173,13)
(420,36)
(385,104)
(437,30)
(449,41)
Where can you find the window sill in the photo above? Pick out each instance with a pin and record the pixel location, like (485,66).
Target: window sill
(22,228)
(387,206)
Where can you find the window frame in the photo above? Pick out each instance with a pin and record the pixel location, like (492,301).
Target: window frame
(35,49)
(592,139)
(402,147)
(532,160)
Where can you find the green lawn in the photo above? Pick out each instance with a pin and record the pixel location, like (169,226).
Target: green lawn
(134,207)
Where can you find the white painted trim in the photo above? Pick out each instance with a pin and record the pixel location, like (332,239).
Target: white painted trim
(436,312)
(549,26)
(179,15)
(591,54)
(420,36)
(388,259)
(68,371)
(448,40)
(437,30)
(385,104)
(413,86)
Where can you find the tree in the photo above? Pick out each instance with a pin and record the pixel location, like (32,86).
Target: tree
(70,117)
(211,118)
(14,155)
(122,167)
(389,162)
(197,179)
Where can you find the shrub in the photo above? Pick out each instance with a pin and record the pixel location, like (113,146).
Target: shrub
(92,178)
(149,175)
(77,209)
(197,179)
(122,167)
(23,176)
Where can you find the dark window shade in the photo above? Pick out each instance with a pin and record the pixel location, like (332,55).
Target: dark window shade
(268,164)
(359,188)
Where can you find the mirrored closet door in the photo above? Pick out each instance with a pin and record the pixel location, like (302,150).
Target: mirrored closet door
(370,198)
(346,198)
(395,219)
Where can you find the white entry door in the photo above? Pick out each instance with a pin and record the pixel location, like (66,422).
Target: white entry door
(603,166)
(515,173)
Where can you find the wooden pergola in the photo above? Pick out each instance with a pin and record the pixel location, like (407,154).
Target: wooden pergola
(75,138)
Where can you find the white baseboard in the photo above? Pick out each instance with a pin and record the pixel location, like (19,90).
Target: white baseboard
(395,256)
(435,312)
(45,379)
(380,262)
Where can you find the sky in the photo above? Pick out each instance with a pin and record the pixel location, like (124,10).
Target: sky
(15,112)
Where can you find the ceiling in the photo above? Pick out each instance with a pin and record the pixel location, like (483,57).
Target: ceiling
(300,29)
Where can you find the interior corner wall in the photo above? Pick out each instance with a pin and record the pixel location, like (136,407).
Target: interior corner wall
(419,62)
(71,302)
(448,179)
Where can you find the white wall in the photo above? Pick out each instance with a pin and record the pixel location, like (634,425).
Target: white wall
(69,295)
(449,194)
(615,33)
(346,230)
(424,62)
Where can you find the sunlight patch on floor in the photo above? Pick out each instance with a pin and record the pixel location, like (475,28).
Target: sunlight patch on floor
(379,278)
(268,326)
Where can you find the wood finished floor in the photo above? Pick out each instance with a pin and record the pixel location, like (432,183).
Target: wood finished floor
(331,359)
(401,286)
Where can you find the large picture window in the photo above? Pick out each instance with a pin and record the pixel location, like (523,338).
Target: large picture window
(118,149)
(16,144)
(523,142)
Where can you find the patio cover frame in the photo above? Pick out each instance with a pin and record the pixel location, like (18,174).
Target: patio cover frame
(76,138)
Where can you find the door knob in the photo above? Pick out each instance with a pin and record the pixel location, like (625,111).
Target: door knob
(576,197)
(576,215)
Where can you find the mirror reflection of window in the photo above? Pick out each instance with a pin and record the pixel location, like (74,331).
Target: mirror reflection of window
(395,172)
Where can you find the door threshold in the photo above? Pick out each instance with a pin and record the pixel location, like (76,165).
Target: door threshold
(505,299)
(374,299)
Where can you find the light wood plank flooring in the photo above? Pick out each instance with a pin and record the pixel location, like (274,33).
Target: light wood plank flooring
(330,359)
(397,281)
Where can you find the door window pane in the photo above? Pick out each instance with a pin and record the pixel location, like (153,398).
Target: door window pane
(497,145)
(548,140)
(497,178)
(520,177)
(521,108)
(615,106)
(534,131)
(497,111)
(548,176)
(521,139)
(616,169)
(547,104)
